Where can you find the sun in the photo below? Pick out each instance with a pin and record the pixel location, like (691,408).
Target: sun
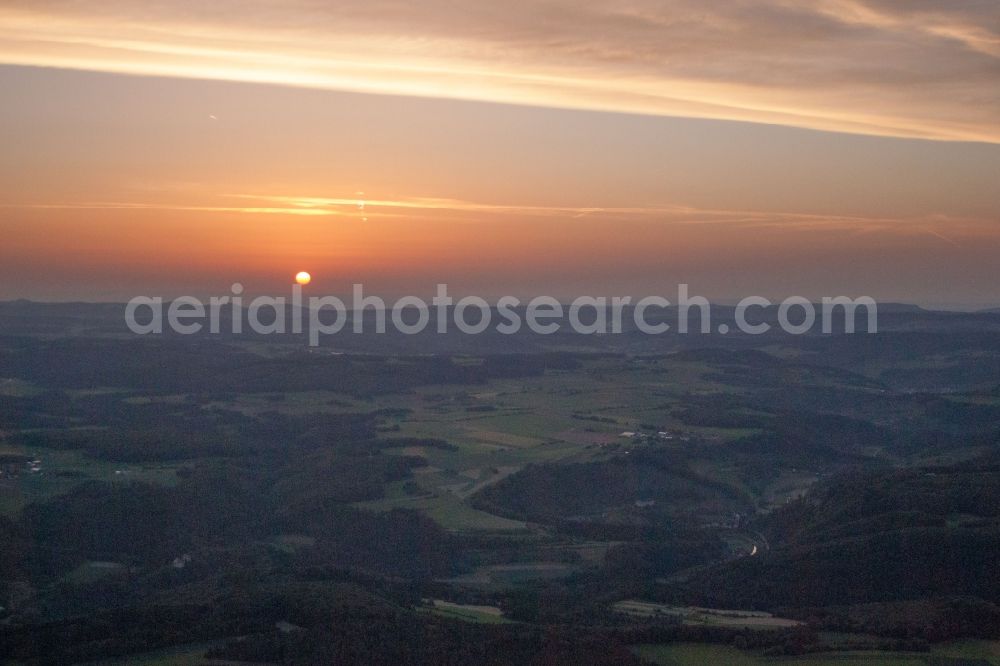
(303,278)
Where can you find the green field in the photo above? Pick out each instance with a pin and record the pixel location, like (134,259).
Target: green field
(450,512)
(705,616)
(191,654)
(467,613)
(61,470)
(696,654)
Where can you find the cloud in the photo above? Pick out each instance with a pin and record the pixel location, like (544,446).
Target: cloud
(437,209)
(916,69)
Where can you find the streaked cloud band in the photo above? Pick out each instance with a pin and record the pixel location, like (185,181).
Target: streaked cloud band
(920,69)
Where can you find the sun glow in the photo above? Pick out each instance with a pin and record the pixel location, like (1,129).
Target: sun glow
(303,278)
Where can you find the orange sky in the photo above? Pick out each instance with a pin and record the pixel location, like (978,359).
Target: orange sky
(595,156)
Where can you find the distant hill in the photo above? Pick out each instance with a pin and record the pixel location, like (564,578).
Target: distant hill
(106,320)
(883,536)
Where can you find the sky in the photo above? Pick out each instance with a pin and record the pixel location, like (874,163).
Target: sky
(770,147)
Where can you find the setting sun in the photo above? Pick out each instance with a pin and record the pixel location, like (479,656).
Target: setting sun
(303,278)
